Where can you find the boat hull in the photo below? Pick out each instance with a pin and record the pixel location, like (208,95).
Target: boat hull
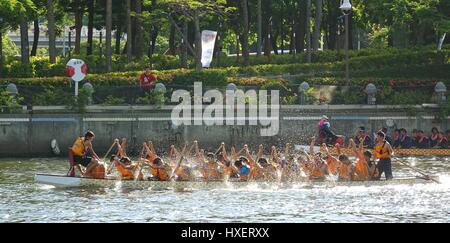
(66,181)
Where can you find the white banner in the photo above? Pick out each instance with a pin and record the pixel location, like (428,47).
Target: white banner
(208,42)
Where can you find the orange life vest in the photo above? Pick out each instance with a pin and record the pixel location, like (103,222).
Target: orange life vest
(381,151)
(78,148)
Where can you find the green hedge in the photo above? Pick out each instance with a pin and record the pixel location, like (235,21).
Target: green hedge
(368,59)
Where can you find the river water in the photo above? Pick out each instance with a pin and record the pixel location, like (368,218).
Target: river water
(22,200)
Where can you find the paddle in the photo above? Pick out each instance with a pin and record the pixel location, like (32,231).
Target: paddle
(179,162)
(426,177)
(107,153)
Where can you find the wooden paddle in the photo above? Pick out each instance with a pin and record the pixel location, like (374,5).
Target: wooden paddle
(426,177)
(179,162)
(107,153)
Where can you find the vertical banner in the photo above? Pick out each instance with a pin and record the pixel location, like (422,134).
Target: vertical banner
(208,42)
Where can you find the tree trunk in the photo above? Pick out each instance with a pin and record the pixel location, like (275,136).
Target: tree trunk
(129,32)
(1,49)
(333,14)
(259,28)
(51,31)
(118,39)
(265,34)
(350,31)
(36,32)
(91,9)
(153,37)
(308,31)
(139,37)
(184,46)
(198,44)
(245,51)
(24,44)
(273,41)
(108,35)
(300,31)
(172,36)
(317,24)
(78,26)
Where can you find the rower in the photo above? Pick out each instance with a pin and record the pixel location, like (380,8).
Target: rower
(242,169)
(260,169)
(126,168)
(361,169)
(159,170)
(405,140)
(81,147)
(362,136)
(383,152)
(437,139)
(211,169)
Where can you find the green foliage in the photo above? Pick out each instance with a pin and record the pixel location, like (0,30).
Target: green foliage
(9,103)
(52,96)
(111,100)
(349,97)
(154,97)
(78,104)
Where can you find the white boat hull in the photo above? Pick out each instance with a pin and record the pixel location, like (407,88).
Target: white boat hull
(65,181)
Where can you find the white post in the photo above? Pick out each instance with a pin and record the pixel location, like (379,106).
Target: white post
(76,89)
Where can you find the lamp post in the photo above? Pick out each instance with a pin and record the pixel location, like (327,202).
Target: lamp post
(90,90)
(346,8)
(302,89)
(371,91)
(440,90)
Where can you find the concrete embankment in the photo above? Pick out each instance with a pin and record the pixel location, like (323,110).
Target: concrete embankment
(29,133)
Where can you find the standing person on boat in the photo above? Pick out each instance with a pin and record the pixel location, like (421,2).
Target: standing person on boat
(405,140)
(384,152)
(325,133)
(81,148)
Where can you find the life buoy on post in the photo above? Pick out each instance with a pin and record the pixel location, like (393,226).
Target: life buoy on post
(76,69)
(55,147)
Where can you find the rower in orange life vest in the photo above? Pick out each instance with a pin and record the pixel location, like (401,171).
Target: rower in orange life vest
(160,171)
(383,152)
(81,147)
(124,165)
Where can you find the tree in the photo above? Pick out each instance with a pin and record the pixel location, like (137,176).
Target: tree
(193,10)
(317,25)
(245,30)
(259,28)
(138,36)
(308,30)
(91,15)
(129,32)
(51,31)
(108,35)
